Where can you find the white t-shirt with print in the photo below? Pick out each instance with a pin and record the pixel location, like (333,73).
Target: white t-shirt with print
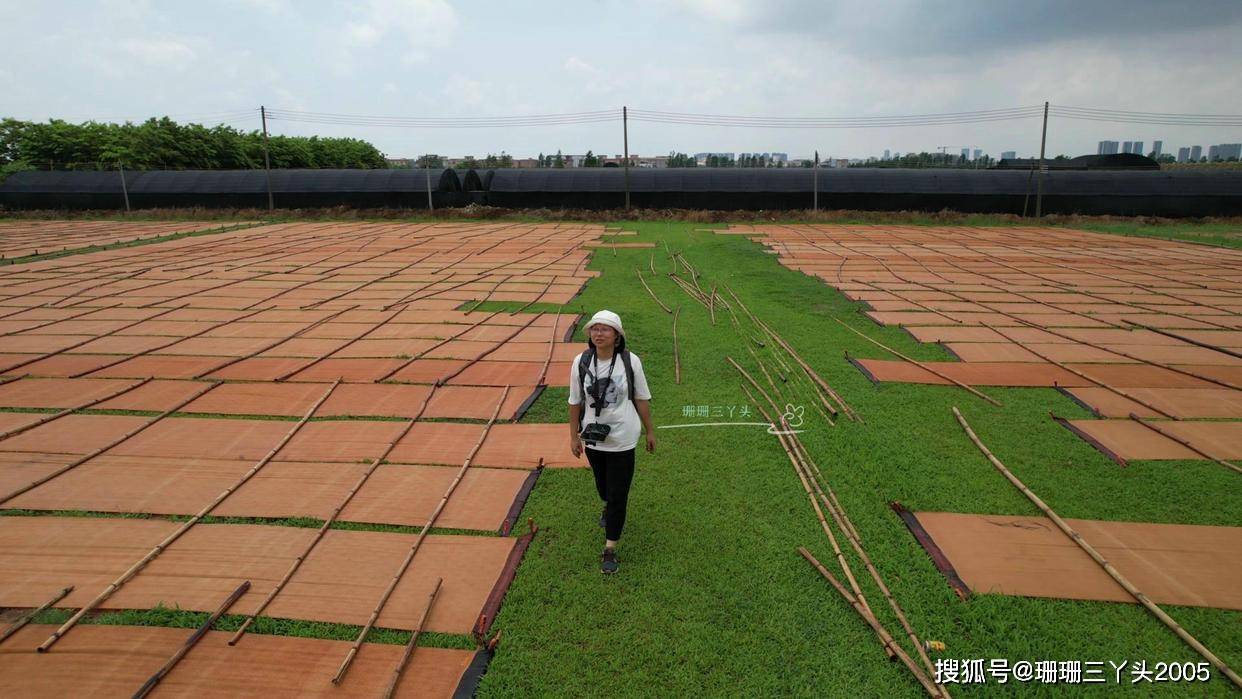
(618,411)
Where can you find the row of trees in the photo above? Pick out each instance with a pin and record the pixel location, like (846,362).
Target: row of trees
(164,144)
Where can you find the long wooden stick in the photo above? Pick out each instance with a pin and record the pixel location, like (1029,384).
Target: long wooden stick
(327,524)
(874,623)
(190,642)
(69,411)
(649,291)
(920,365)
(171,538)
(418,542)
(83,459)
(409,647)
(711,305)
(1183,338)
(1080,374)
(676,354)
(1095,556)
(25,618)
(1160,431)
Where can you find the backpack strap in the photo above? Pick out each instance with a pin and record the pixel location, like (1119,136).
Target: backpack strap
(584,361)
(629,372)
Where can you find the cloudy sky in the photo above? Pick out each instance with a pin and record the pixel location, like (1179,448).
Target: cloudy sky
(130,59)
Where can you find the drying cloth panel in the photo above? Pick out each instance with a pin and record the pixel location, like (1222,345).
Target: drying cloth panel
(1171,563)
(1127,439)
(114,661)
(1178,402)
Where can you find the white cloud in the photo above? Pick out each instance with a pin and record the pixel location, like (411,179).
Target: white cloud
(160,52)
(412,25)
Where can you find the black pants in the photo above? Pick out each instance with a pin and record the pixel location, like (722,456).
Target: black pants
(614,470)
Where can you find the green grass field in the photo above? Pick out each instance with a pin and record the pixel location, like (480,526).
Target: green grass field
(712,598)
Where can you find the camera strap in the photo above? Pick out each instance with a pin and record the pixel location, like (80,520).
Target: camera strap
(598,401)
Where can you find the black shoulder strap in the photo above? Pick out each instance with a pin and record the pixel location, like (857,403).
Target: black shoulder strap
(629,372)
(584,361)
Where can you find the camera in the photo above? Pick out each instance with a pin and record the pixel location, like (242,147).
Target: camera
(595,433)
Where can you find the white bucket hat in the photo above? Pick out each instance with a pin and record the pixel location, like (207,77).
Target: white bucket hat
(608,318)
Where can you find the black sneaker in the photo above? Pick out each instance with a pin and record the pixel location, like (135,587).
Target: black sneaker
(603,517)
(608,561)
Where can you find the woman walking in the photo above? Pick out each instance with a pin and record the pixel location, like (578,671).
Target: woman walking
(607,426)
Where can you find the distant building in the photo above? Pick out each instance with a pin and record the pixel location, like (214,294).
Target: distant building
(1157,148)
(1226,151)
(400,162)
(1127,146)
(886,155)
(1106,148)
(1138,148)
(978,153)
(1183,154)
(1011,154)
(841,162)
(965,154)
(1196,152)
(526,162)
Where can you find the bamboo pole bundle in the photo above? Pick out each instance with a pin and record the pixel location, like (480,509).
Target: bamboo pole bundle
(25,618)
(1160,431)
(190,642)
(676,353)
(1098,558)
(69,411)
(327,524)
(652,293)
(83,459)
(921,365)
(171,538)
(1081,374)
(409,647)
(418,542)
(875,625)
(690,290)
(1183,338)
(1127,355)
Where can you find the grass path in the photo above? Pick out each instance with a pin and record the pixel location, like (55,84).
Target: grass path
(712,599)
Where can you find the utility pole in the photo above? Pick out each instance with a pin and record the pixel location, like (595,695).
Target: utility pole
(427,167)
(1039,187)
(815,187)
(267,160)
(625,135)
(124,189)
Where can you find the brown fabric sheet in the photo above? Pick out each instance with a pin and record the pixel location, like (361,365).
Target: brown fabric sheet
(1178,402)
(340,582)
(394,494)
(113,661)
(1172,563)
(1128,440)
(1034,374)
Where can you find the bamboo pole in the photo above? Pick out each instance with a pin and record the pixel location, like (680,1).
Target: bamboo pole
(711,305)
(83,459)
(1080,374)
(28,616)
(327,524)
(1098,558)
(1183,338)
(921,365)
(171,538)
(418,542)
(92,338)
(651,262)
(190,642)
(69,411)
(690,290)
(1127,355)
(676,354)
(1151,426)
(409,647)
(874,623)
(649,291)
(547,363)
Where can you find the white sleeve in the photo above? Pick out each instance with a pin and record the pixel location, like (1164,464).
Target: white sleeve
(575,388)
(641,391)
